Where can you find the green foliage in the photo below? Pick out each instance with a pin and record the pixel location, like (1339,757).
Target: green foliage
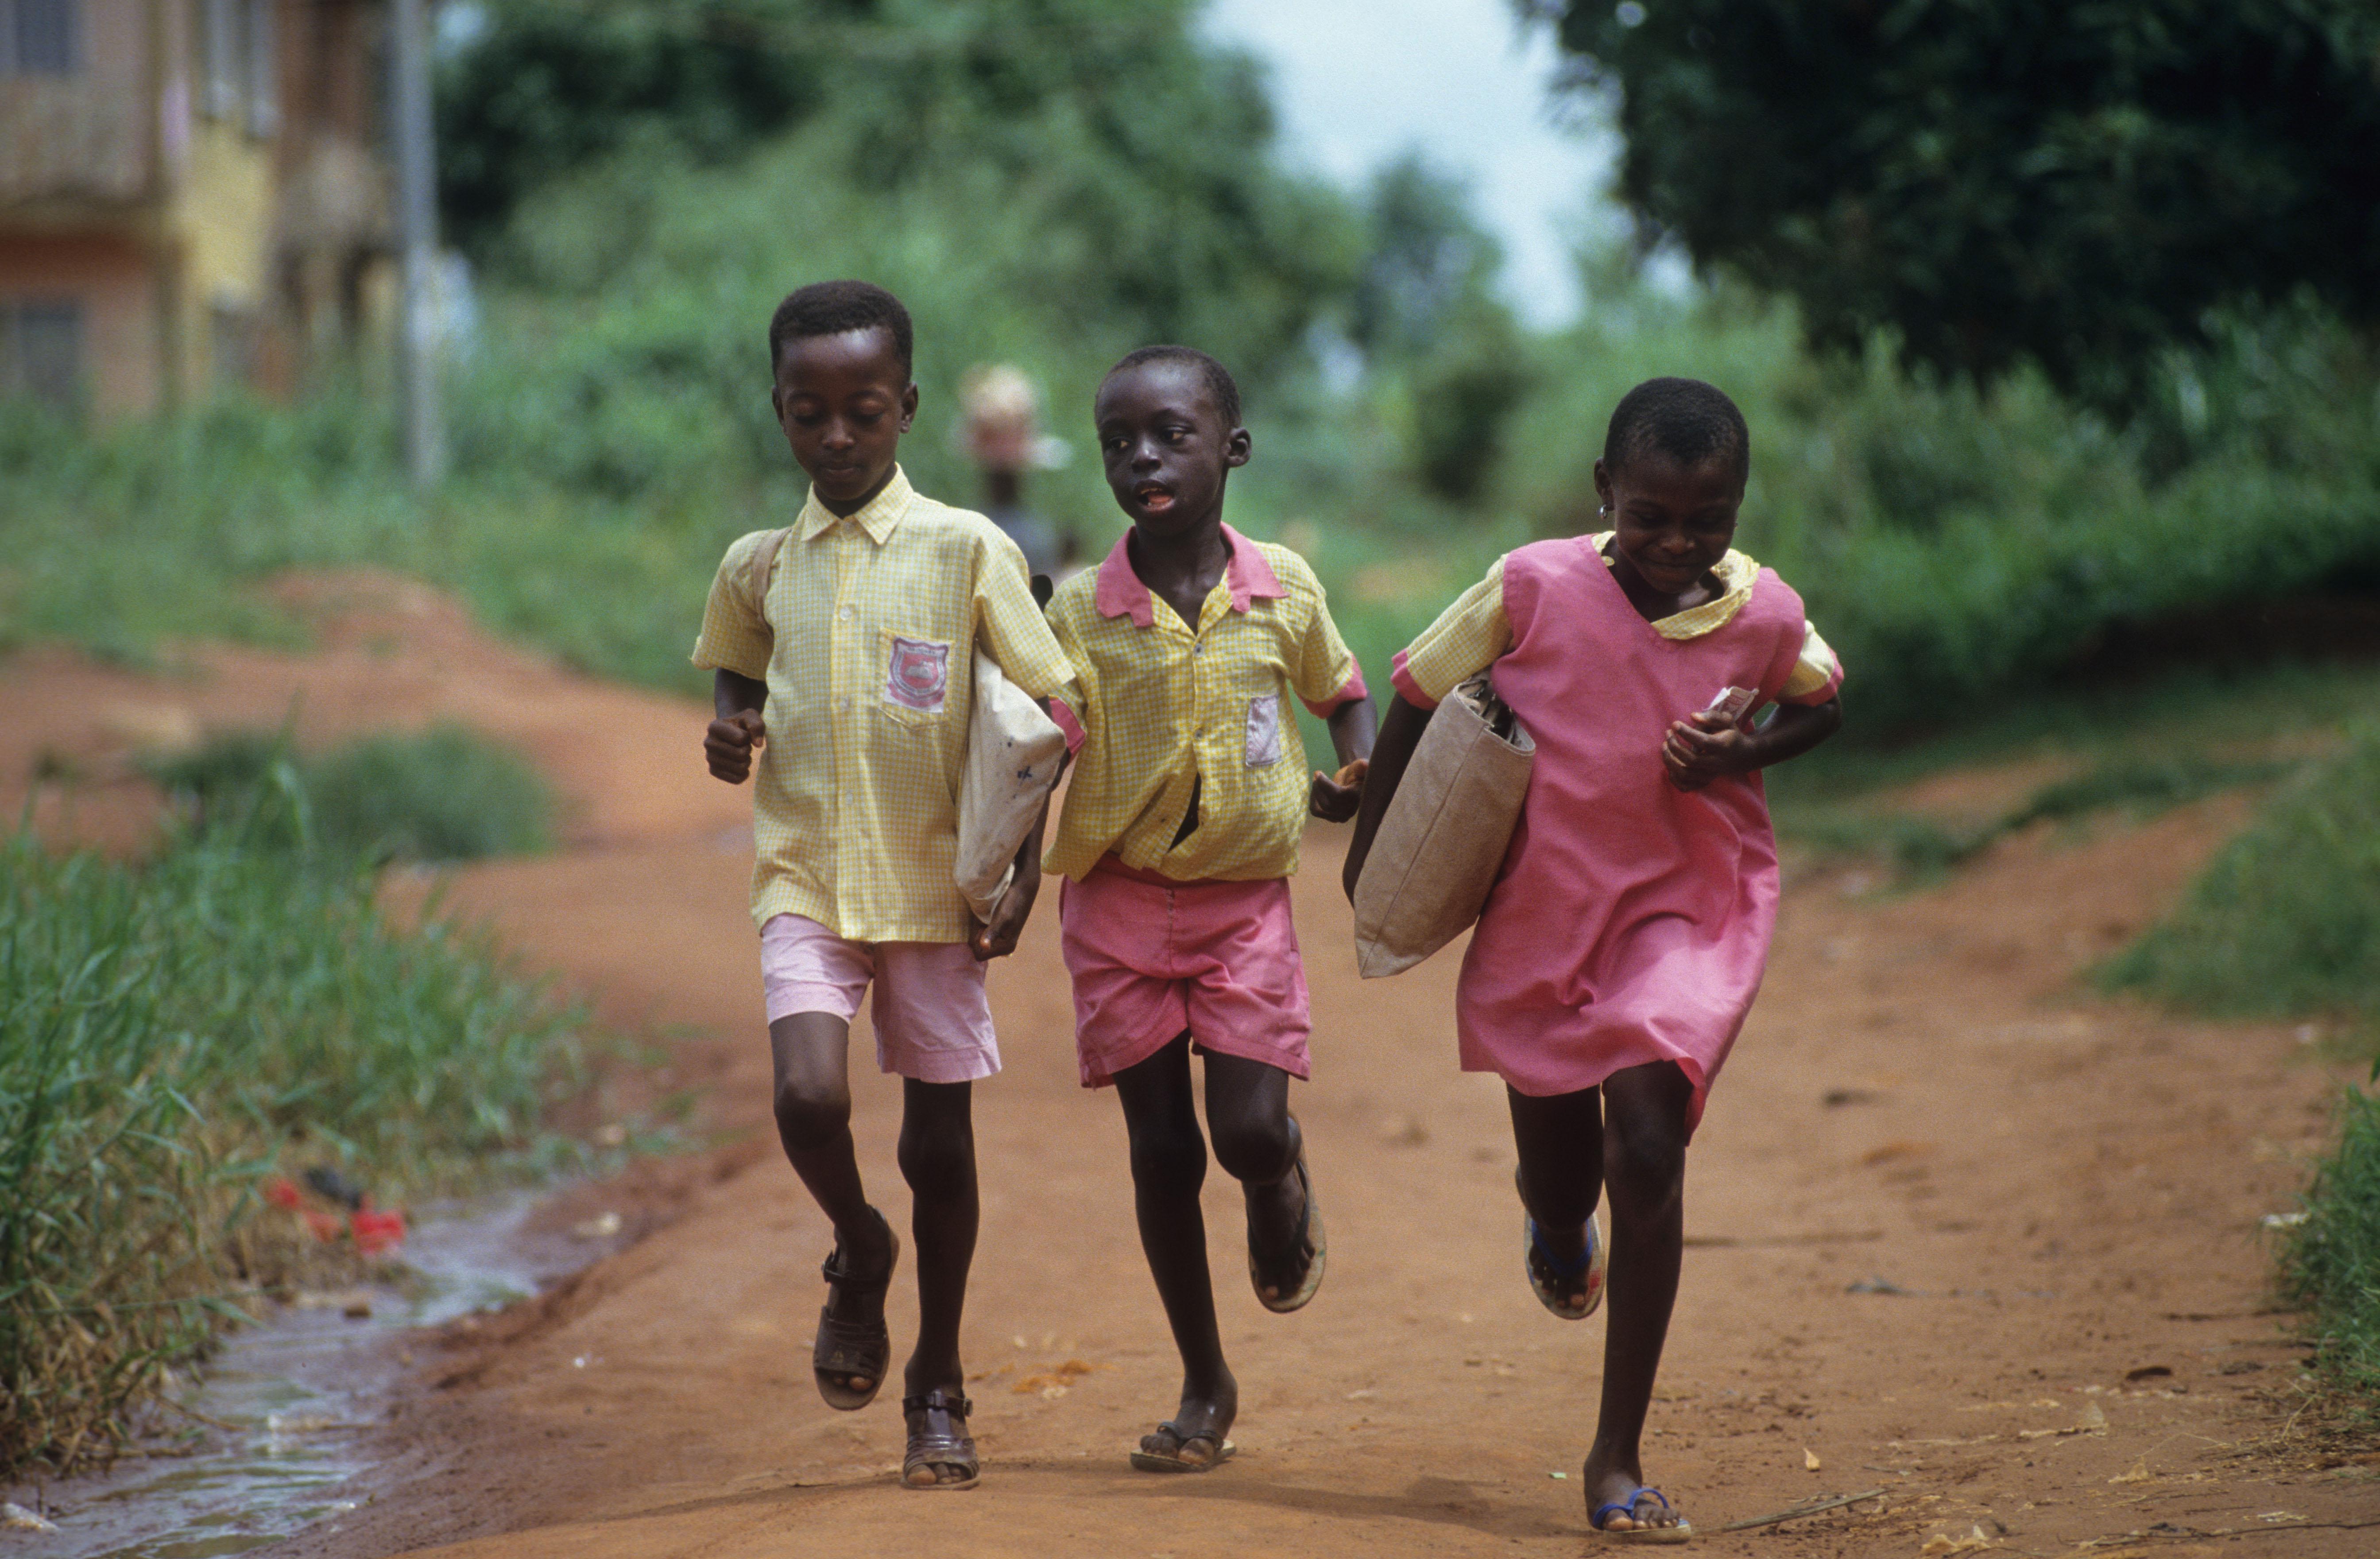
(2079,187)
(2330,1264)
(1103,169)
(166,1033)
(444,794)
(2287,919)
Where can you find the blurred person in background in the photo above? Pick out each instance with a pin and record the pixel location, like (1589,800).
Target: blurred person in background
(1001,430)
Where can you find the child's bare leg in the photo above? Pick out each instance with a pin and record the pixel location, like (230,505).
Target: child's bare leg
(1169,1164)
(1644,1167)
(813,1108)
(1257,1143)
(938,1160)
(1560,1143)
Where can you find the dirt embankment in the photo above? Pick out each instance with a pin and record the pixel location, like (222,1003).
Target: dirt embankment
(1958,1231)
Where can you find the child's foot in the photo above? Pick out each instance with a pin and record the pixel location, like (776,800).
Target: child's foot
(1287,1250)
(854,1347)
(1621,1507)
(1194,1439)
(941,1452)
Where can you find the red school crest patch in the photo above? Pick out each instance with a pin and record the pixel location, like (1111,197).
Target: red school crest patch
(918,674)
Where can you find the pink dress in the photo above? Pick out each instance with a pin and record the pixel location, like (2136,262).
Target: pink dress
(1630,921)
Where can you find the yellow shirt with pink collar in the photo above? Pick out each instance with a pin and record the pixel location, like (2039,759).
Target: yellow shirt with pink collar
(1169,710)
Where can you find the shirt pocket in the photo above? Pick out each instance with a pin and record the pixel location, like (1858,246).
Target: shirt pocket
(914,681)
(1264,730)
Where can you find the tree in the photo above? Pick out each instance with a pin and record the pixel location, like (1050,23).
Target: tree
(2079,185)
(1424,308)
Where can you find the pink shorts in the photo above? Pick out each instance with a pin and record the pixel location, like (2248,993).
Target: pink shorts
(1151,958)
(931,1020)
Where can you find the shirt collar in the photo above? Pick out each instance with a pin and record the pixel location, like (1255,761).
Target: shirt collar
(1120,593)
(878,516)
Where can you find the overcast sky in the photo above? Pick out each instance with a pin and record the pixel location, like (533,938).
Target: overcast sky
(1357,82)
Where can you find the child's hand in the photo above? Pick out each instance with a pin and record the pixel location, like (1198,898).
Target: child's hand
(1702,747)
(997,937)
(1335,797)
(727,744)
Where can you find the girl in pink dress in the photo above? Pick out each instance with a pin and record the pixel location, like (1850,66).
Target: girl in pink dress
(1625,936)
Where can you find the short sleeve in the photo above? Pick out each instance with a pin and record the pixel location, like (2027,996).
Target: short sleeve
(1070,708)
(1466,639)
(1816,674)
(1325,674)
(1013,630)
(735,637)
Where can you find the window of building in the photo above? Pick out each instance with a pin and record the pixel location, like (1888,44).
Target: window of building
(41,350)
(223,53)
(40,37)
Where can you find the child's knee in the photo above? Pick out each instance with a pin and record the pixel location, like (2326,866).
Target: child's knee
(1255,1149)
(1643,1168)
(1169,1163)
(939,1164)
(811,1114)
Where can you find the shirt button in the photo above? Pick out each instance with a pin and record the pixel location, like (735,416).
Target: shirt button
(844,704)
(848,614)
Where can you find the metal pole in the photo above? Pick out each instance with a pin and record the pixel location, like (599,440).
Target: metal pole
(417,204)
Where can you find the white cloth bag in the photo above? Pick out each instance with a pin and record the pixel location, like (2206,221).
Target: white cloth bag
(1014,756)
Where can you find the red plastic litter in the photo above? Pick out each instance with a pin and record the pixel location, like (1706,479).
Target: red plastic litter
(376,1232)
(280,1192)
(326,1227)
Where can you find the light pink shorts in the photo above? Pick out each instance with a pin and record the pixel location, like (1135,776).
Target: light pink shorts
(1151,957)
(931,1020)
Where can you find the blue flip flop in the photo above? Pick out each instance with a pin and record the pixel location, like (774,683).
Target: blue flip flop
(1543,1270)
(1683,1532)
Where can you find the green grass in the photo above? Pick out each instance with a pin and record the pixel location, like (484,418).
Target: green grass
(441,794)
(172,1032)
(2287,919)
(2330,1263)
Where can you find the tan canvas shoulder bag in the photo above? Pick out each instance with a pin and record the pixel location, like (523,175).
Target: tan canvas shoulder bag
(1443,839)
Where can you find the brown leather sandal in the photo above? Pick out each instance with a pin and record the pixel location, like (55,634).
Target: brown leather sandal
(937,1439)
(847,1352)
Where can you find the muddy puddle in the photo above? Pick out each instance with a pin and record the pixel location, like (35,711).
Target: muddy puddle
(281,1414)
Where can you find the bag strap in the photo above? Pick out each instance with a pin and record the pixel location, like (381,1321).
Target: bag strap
(761,567)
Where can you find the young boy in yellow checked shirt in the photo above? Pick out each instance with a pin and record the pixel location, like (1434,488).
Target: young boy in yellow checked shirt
(1180,831)
(855,682)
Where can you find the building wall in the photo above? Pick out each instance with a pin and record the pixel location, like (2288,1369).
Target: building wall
(112,280)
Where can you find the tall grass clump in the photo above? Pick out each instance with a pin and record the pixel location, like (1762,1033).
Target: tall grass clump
(2331,1262)
(168,1034)
(440,795)
(2287,919)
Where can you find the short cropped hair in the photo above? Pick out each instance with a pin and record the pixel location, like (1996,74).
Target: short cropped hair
(1217,378)
(1689,421)
(832,308)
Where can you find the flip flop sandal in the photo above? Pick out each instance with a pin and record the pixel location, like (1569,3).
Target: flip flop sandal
(1683,1532)
(845,1350)
(1309,1233)
(1548,1277)
(931,1448)
(1147,1461)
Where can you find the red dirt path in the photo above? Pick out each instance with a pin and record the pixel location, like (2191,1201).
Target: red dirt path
(2065,1191)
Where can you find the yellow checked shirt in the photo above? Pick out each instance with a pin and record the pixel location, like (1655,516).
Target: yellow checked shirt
(1164,712)
(1471,633)
(867,648)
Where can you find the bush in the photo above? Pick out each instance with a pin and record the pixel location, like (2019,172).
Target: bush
(167,1033)
(2331,1262)
(2287,919)
(444,794)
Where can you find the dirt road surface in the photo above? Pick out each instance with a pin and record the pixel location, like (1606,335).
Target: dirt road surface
(1958,1232)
